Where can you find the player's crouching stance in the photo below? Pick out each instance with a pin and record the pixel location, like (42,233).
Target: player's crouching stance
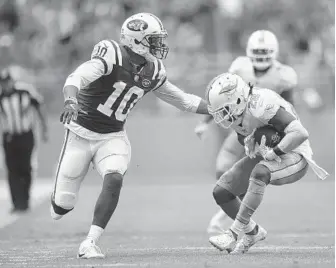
(244,108)
(99,95)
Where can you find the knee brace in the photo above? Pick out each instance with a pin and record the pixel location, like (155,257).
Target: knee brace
(222,195)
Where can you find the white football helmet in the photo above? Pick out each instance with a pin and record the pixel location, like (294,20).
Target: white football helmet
(262,48)
(145,35)
(227,96)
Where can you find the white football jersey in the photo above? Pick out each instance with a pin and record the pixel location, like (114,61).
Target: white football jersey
(262,106)
(279,77)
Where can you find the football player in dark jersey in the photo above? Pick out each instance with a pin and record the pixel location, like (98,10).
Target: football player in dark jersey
(99,95)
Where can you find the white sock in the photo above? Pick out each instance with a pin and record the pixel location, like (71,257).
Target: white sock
(95,233)
(250,226)
(237,227)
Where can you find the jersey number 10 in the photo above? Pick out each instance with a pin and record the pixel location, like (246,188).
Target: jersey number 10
(126,104)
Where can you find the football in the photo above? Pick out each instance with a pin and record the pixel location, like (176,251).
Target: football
(273,137)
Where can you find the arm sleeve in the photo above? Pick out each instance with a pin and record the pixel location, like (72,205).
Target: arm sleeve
(85,74)
(173,95)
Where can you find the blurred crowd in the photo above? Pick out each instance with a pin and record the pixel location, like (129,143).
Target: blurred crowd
(49,38)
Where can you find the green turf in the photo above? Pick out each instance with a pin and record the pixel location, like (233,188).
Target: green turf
(159,225)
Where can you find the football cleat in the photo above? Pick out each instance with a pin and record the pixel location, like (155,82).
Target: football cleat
(89,250)
(225,241)
(247,241)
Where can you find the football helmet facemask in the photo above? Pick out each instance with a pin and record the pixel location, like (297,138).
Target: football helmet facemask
(227,96)
(262,48)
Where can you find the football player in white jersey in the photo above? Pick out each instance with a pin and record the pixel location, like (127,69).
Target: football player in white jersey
(243,108)
(99,95)
(261,68)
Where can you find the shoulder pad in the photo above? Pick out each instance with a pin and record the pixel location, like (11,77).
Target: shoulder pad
(107,51)
(262,105)
(288,77)
(238,64)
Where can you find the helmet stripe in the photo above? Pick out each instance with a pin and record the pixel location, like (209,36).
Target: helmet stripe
(158,21)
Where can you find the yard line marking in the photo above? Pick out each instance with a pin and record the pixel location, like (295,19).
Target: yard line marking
(121,264)
(269,247)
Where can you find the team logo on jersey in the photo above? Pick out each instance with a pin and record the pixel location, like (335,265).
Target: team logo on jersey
(146,83)
(275,138)
(137,25)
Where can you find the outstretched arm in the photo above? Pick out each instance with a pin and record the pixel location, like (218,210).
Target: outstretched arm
(185,102)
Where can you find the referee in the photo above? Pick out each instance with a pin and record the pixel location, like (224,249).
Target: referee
(19,103)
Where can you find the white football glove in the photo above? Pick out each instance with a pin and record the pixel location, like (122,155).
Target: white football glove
(249,145)
(200,129)
(266,152)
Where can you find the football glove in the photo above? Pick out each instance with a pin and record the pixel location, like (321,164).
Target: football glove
(249,145)
(266,152)
(70,111)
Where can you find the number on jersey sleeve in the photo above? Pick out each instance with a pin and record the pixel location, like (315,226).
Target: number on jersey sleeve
(126,102)
(262,107)
(108,52)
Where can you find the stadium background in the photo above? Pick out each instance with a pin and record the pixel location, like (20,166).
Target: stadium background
(166,201)
(48,39)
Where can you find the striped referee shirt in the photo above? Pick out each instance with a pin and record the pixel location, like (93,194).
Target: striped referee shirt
(18,108)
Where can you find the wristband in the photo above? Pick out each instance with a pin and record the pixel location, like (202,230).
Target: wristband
(72,99)
(278,151)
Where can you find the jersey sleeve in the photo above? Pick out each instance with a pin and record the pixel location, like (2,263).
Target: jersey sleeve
(263,107)
(237,64)
(108,52)
(289,78)
(171,94)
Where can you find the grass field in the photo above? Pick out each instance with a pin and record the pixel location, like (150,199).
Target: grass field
(163,225)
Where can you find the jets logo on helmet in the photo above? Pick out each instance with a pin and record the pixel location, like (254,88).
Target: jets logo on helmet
(137,25)
(227,96)
(262,48)
(145,35)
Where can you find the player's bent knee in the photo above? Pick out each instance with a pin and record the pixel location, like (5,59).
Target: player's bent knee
(221,195)
(113,182)
(63,202)
(219,173)
(261,173)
